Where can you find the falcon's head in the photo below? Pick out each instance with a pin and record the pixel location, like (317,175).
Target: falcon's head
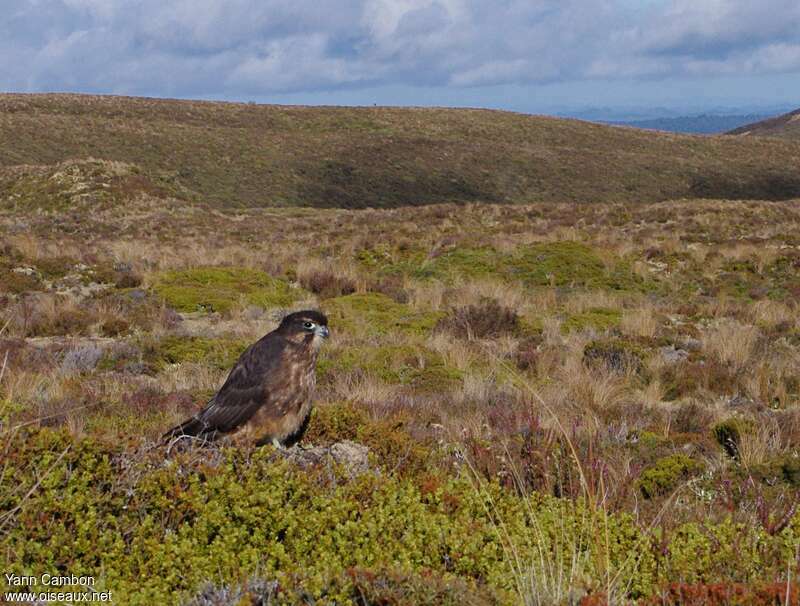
(308,326)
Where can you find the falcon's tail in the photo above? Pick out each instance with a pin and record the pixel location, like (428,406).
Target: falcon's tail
(194,427)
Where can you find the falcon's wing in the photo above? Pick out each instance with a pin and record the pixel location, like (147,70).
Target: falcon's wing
(244,392)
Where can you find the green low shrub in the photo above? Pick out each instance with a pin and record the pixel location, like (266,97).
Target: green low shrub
(219,353)
(220,288)
(597,318)
(412,365)
(376,314)
(667,474)
(156,530)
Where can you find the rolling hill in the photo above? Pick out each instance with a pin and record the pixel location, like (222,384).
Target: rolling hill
(786,126)
(247,155)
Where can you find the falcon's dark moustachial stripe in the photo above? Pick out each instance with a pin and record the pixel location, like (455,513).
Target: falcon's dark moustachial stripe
(268,393)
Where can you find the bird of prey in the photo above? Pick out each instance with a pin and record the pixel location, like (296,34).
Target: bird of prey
(268,393)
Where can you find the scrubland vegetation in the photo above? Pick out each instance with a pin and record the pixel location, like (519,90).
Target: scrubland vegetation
(564,403)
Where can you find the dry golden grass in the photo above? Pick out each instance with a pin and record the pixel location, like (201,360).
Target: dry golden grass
(640,322)
(731,342)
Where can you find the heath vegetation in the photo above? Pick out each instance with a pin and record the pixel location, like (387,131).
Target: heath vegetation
(563,402)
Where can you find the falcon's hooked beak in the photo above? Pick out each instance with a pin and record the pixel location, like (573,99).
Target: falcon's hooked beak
(322,331)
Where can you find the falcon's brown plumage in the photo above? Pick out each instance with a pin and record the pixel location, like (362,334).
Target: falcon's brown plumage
(268,392)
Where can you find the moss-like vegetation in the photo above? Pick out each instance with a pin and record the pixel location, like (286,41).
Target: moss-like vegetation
(383,260)
(464,262)
(413,365)
(558,264)
(219,353)
(666,474)
(220,288)
(597,318)
(564,263)
(377,314)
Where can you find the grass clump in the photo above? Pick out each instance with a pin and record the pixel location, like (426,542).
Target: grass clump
(615,354)
(487,319)
(728,434)
(16,282)
(376,314)
(666,474)
(218,289)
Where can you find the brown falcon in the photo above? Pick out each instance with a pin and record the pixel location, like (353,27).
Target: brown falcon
(268,392)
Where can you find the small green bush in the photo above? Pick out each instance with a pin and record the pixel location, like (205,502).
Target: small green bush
(666,474)
(463,262)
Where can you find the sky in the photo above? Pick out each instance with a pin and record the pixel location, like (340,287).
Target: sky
(535,56)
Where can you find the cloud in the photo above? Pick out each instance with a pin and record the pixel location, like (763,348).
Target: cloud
(261,47)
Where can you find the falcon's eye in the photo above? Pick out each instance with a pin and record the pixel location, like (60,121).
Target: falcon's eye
(308,325)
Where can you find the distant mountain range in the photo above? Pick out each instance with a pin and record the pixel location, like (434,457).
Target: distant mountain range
(704,124)
(690,120)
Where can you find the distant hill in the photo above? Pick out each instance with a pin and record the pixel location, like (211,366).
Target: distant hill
(248,155)
(704,124)
(786,126)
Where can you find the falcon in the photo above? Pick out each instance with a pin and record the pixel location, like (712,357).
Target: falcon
(268,393)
